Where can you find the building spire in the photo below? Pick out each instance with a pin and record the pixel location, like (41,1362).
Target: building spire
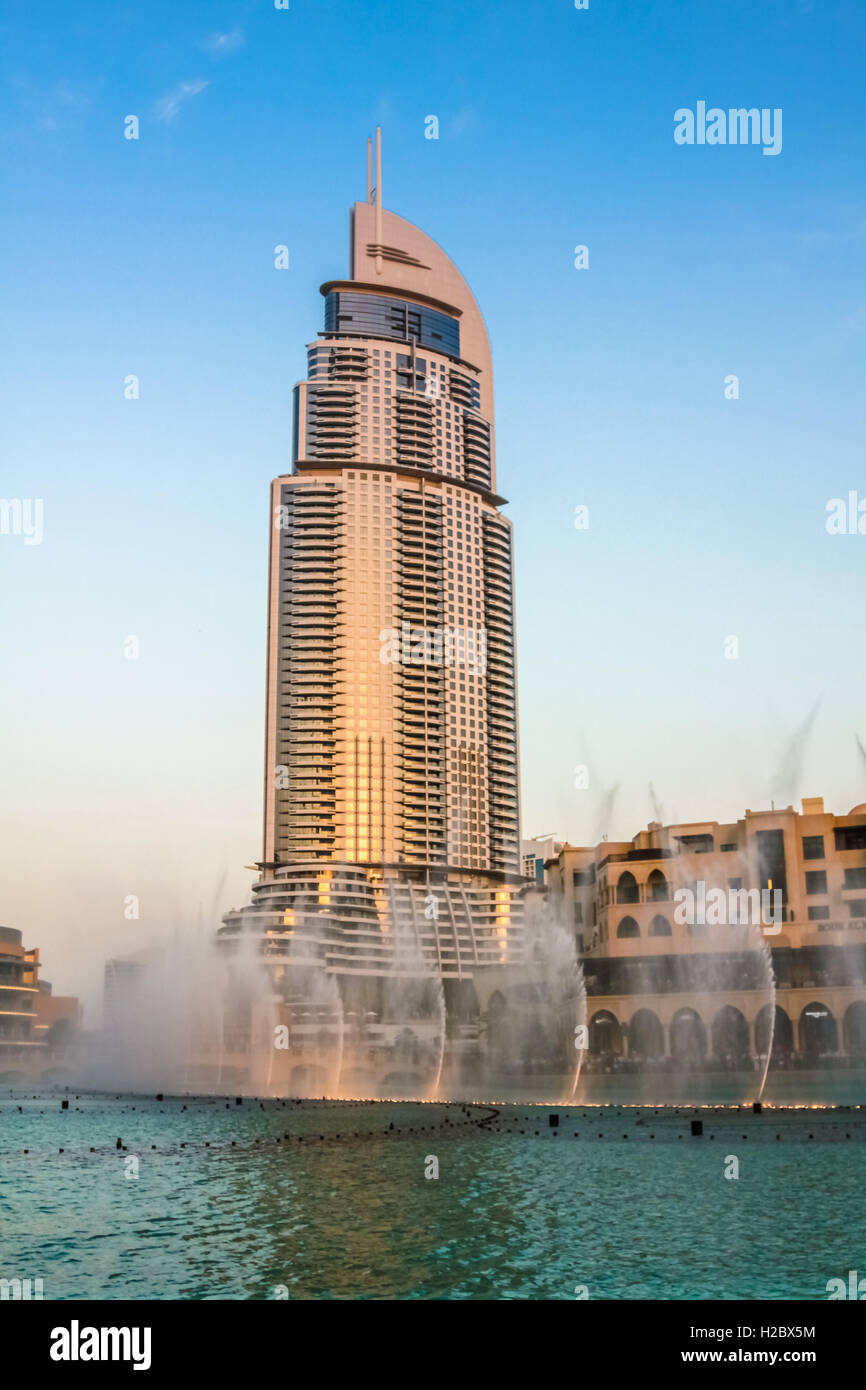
(369,170)
(378,200)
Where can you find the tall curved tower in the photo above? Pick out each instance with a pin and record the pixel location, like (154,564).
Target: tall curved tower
(391,766)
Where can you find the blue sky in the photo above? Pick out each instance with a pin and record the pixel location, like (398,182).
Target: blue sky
(707,515)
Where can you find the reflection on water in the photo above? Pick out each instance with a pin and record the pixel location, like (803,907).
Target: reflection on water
(511,1215)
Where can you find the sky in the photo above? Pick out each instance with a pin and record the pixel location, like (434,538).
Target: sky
(154,258)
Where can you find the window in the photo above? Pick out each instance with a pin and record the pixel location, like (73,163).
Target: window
(813,846)
(628,927)
(851,837)
(857,907)
(771,859)
(855,878)
(727,849)
(816,882)
(627,890)
(819,914)
(694,844)
(658,886)
(660,926)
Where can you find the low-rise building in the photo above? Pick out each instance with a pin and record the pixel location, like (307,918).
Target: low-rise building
(36,1026)
(19,971)
(534,854)
(677,940)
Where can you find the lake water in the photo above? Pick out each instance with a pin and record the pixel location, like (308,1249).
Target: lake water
(633,1207)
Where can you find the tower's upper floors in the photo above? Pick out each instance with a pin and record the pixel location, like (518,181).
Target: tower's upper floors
(400,376)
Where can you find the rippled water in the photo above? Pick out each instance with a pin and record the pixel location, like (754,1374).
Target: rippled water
(511,1215)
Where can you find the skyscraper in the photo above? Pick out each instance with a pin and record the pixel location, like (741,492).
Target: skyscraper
(391,766)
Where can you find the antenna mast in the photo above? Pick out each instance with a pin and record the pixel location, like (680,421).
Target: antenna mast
(378,200)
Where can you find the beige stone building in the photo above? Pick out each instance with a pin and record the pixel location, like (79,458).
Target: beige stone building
(666,979)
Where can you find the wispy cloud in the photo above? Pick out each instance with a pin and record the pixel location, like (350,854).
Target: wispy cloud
(843,332)
(219,45)
(168,106)
(833,224)
(52,108)
(821,236)
(462,121)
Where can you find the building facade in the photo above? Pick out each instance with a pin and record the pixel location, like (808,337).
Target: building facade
(673,955)
(19,989)
(391,821)
(36,1026)
(534,855)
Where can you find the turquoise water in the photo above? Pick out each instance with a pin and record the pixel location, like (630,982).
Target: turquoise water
(644,1212)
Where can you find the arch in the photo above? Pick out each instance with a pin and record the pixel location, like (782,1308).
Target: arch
(496,1004)
(730,1033)
(646,1036)
(659,890)
(854,1028)
(659,926)
(308,1078)
(497,1024)
(627,890)
(358,1081)
(783,1032)
(627,927)
(408,1083)
(818,1031)
(688,1036)
(605,1034)
(407,1046)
